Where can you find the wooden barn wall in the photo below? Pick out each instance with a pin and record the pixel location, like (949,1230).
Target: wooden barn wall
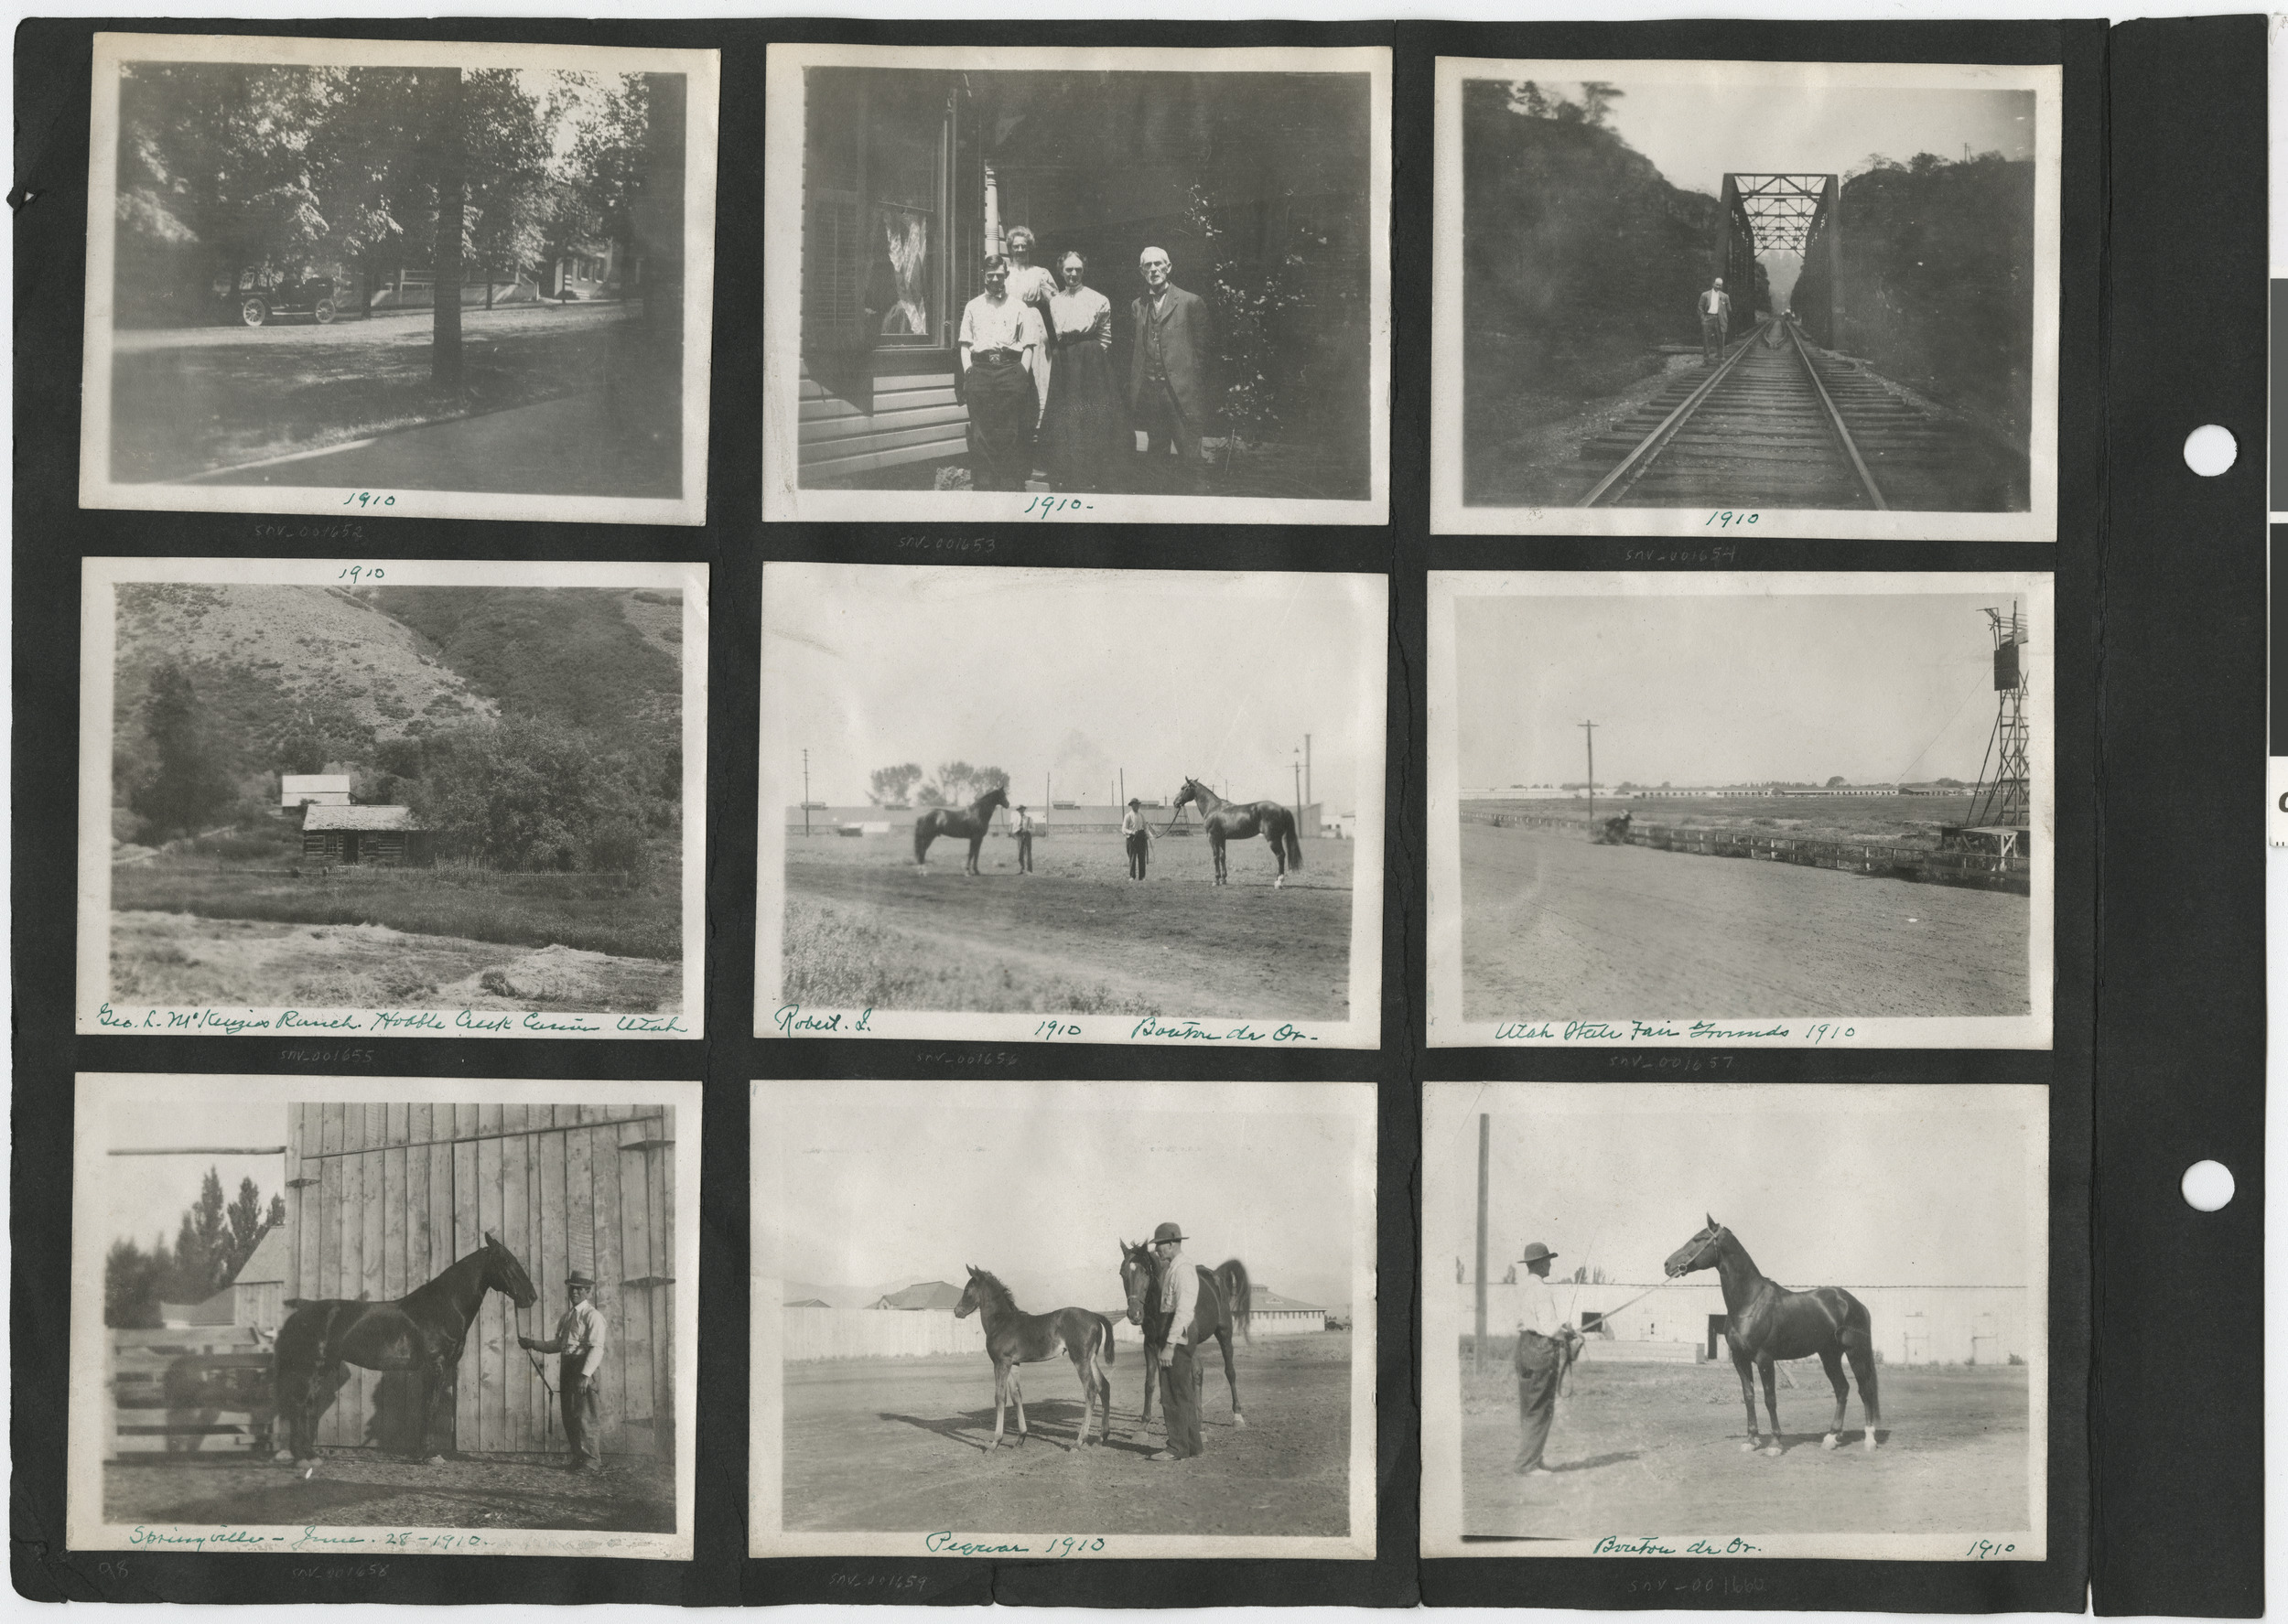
(388,1196)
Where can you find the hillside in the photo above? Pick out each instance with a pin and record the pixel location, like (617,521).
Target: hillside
(605,660)
(276,666)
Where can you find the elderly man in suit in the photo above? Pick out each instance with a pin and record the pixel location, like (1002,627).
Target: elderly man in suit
(1168,373)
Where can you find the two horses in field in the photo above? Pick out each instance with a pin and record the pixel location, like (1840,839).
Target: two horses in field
(1225,821)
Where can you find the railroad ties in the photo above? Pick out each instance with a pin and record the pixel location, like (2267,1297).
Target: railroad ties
(1789,427)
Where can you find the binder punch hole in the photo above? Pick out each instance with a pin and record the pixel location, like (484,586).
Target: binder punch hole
(2207,1186)
(2210,450)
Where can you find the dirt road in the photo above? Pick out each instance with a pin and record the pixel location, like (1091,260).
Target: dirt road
(903,1446)
(1641,1448)
(356,1489)
(1553,927)
(1175,944)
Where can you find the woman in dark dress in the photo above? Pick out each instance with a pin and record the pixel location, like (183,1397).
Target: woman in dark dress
(1084,434)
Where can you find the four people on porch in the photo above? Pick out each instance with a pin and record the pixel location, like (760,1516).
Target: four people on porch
(1035,356)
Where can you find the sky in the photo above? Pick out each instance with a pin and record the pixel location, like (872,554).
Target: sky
(1695,689)
(1040,1195)
(1927,1190)
(1073,675)
(1696,133)
(146,1196)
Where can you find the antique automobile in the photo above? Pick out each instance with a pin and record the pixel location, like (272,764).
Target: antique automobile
(259,293)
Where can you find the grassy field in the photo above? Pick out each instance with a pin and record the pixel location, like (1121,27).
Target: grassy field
(865,927)
(236,396)
(594,912)
(1907,820)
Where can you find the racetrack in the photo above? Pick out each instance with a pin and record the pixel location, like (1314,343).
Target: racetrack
(865,927)
(1655,1448)
(904,1445)
(1555,928)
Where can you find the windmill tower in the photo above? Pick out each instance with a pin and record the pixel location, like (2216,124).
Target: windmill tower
(2001,807)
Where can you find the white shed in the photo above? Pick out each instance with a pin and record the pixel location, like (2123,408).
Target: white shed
(313,789)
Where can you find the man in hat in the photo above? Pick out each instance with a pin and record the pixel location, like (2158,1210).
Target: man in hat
(1715,321)
(1545,1346)
(1021,826)
(1136,830)
(1178,1369)
(579,1345)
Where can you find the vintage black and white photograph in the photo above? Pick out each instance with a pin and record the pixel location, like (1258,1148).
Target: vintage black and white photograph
(1088,284)
(384,1316)
(1070,1321)
(467,280)
(1024,804)
(1794,1320)
(402,799)
(1741,808)
(1816,299)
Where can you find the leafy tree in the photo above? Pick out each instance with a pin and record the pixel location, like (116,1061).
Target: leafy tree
(1834,783)
(528,792)
(202,1246)
(891,785)
(1597,97)
(188,781)
(131,1284)
(958,783)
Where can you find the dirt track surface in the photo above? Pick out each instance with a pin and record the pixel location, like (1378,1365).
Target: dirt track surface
(180,959)
(1174,944)
(1555,928)
(355,1489)
(903,1446)
(1656,1450)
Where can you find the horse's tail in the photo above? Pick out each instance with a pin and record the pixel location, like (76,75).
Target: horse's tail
(1294,846)
(922,837)
(1239,1290)
(1104,1326)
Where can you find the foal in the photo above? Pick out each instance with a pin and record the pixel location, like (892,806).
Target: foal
(1013,1337)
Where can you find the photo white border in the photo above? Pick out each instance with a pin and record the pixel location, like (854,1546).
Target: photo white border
(1451,515)
(1448,1026)
(1446,1108)
(88,1450)
(783,497)
(780,785)
(98,653)
(772,1105)
(702,70)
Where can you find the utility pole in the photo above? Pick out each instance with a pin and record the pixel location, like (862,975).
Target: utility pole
(1123,786)
(1477,1347)
(806,792)
(1307,796)
(1590,733)
(1299,786)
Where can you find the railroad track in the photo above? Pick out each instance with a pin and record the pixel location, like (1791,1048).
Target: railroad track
(1787,426)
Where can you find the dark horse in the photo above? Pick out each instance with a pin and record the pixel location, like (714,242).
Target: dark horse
(1226,1303)
(1014,1338)
(421,1331)
(968,825)
(1768,1322)
(1229,820)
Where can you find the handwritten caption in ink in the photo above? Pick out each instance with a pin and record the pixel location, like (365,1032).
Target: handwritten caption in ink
(948,1543)
(1813,1033)
(499,1023)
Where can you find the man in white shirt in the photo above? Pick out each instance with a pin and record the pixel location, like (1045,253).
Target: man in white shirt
(1715,321)
(579,1347)
(1020,825)
(1178,1369)
(1545,1346)
(1002,346)
(1136,829)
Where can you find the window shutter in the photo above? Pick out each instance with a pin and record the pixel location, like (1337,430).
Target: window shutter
(834,215)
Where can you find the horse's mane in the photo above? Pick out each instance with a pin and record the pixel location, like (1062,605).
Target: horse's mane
(977,807)
(995,1294)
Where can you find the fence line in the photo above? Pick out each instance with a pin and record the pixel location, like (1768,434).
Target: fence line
(1977,870)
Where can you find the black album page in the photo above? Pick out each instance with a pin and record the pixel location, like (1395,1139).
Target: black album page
(1132,814)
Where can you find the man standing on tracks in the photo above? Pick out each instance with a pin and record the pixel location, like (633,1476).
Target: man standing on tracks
(1136,830)
(1022,828)
(1715,322)
(579,1345)
(1179,1366)
(1545,1347)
